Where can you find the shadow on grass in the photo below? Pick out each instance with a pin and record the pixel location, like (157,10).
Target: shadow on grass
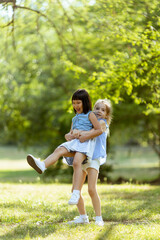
(31,176)
(45,221)
(39,209)
(136,207)
(132,205)
(29,231)
(57,216)
(23,230)
(135,175)
(109,230)
(32,231)
(25,176)
(133,192)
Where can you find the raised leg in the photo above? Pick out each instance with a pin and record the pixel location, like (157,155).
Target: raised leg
(58,152)
(78,173)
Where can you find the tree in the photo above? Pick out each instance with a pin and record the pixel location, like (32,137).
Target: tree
(109,47)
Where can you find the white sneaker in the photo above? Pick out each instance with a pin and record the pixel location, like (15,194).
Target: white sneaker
(36,164)
(79,220)
(99,223)
(74,199)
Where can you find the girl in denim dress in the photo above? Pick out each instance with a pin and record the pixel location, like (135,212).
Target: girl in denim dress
(85,119)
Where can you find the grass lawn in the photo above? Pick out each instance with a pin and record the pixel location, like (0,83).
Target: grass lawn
(31,209)
(40,211)
(14,167)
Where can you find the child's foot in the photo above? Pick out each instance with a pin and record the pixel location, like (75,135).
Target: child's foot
(99,221)
(74,198)
(36,164)
(79,220)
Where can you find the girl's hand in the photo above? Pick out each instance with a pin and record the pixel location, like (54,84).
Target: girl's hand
(72,135)
(76,133)
(69,136)
(83,136)
(103,125)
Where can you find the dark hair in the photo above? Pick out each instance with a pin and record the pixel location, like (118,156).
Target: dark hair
(82,94)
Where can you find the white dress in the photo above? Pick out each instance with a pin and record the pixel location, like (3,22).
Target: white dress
(87,148)
(80,122)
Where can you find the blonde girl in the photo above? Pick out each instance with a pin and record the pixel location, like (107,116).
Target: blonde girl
(103,111)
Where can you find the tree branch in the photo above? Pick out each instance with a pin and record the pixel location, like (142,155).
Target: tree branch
(6,1)
(70,22)
(13,15)
(49,20)
(8,24)
(47,52)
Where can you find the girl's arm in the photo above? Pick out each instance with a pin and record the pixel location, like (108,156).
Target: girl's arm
(96,127)
(69,136)
(85,135)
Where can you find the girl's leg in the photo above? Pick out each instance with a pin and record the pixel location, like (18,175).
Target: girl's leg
(92,190)
(58,152)
(40,166)
(77,176)
(78,173)
(80,205)
(83,218)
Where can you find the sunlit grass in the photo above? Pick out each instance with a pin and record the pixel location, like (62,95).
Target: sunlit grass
(40,211)
(13,158)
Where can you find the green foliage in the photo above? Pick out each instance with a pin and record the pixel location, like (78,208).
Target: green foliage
(35,87)
(52,48)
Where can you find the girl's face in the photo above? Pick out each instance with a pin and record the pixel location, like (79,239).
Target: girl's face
(100,110)
(78,106)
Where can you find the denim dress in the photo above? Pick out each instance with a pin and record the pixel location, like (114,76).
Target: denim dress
(99,152)
(80,122)
(100,146)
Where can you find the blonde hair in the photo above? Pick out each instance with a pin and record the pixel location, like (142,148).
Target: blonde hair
(108,106)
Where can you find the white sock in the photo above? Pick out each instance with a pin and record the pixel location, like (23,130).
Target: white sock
(99,218)
(83,216)
(77,192)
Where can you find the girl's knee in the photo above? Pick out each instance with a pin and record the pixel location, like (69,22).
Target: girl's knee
(76,164)
(92,191)
(59,151)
